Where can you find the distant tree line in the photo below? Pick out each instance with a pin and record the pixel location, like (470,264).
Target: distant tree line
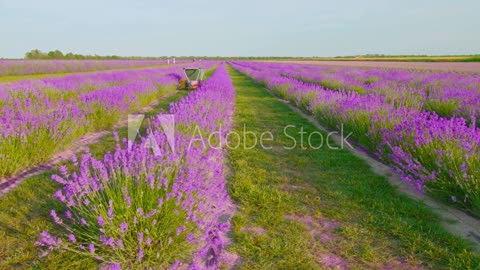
(57,54)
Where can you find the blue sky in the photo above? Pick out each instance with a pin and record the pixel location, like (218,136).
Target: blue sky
(240,28)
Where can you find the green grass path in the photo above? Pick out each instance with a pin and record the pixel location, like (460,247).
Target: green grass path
(314,209)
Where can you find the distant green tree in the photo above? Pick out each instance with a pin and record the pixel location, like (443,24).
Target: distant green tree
(69,56)
(57,54)
(35,54)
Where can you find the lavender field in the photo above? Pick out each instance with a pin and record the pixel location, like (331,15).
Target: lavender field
(28,67)
(239,135)
(421,123)
(39,118)
(251,179)
(168,205)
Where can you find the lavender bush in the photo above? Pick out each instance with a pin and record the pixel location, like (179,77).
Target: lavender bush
(137,209)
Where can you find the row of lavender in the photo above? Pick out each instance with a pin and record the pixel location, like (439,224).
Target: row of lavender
(41,117)
(153,207)
(435,154)
(445,93)
(27,67)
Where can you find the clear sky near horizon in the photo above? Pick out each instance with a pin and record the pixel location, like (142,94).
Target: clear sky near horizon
(240,28)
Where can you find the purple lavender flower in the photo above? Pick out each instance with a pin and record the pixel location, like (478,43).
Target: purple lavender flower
(46,239)
(120,243)
(68,214)
(115,266)
(83,222)
(190,237)
(115,136)
(151,213)
(59,196)
(110,209)
(123,227)
(128,200)
(175,265)
(100,220)
(140,255)
(180,230)
(91,248)
(72,238)
(64,171)
(55,217)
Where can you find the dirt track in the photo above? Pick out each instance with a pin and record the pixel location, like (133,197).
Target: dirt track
(442,66)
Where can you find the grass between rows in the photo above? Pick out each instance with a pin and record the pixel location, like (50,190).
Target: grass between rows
(24,213)
(311,209)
